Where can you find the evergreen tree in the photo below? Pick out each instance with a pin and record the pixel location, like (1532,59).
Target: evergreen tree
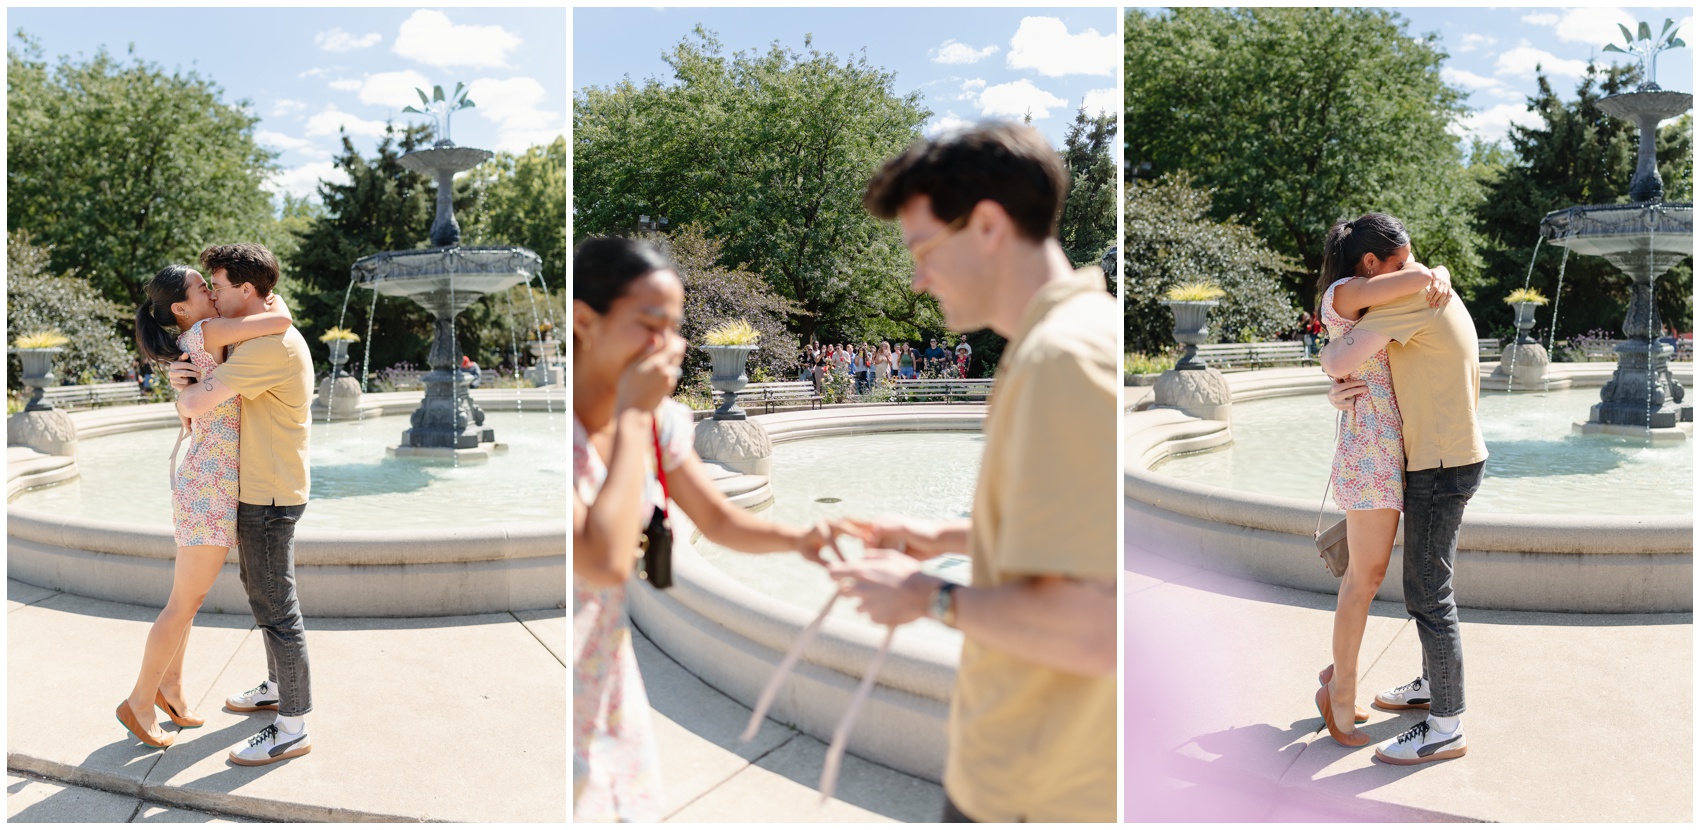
(1088,224)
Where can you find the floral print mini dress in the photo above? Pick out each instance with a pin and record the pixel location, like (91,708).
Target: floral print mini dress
(1369,460)
(205,485)
(616,767)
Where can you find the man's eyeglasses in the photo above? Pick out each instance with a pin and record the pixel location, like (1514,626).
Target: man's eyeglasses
(928,245)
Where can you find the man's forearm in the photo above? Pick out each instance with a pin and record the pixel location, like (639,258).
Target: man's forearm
(1058,622)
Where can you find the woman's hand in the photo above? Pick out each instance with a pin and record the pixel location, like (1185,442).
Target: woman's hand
(651,377)
(1439,287)
(275,304)
(822,537)
(916,537)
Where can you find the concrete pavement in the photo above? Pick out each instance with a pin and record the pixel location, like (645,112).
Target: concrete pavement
(428,719)
(1571,717)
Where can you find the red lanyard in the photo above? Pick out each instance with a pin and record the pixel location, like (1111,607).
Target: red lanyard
(660,466)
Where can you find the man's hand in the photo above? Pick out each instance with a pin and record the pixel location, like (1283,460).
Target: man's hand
(187,422)
(918,538)
(1344,391)
(183,373)
(891,586)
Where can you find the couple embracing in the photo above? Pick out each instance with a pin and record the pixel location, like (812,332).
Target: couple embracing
(1403,354)
(244,380)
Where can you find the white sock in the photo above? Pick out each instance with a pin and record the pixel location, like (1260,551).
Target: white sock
(1445,726)
(292,725)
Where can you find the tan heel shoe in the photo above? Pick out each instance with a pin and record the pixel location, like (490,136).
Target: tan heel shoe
(128,718)
(1355,738)
(1359,713)
(189,721)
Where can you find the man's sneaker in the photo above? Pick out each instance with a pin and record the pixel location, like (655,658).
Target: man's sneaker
(1412,695)
(270,746)
(260,697)
(1421,744)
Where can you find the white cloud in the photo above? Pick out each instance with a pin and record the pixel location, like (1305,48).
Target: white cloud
(1540,18)
(287,143)
(1015,100)
(287,106)
(304,180)
(1472,41)
(515,105)
(1461,77)
(346,84)
(326,123)
(337,40)
(1044,44)
(1593,26)
(954,51)
(394,89)
(971,89)
(431,38)
(1521,61)
(947,123)
(1106,100)
(319,70)
(1493,123)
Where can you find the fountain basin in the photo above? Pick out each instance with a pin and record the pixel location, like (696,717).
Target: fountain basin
(502,564)
(732,635)
(1520,560)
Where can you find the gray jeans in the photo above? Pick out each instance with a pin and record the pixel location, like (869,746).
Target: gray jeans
(265,535)
(1434,508)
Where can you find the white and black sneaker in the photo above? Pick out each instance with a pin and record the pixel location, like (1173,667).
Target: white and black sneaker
(263,696)
(1412,695)
(270,746)
(1421,744)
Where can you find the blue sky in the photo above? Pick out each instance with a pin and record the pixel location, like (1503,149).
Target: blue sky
(969,64)
(1494,53)
(308,71)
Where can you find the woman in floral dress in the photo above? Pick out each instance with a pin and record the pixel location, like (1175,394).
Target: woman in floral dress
(627,304)
(178,318)
(1366,262)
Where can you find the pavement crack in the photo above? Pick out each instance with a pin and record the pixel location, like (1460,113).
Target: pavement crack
(538,638)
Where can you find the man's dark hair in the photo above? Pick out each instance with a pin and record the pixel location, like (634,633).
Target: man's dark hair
(244,262)
(1010,164)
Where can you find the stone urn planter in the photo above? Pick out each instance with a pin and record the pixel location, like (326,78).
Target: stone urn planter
(38,375)
(339,356)
(543,349)
(1191,326)
(1525,321)
(727,377)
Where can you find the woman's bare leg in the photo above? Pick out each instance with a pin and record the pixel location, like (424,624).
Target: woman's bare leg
(196,569)
(1369,535)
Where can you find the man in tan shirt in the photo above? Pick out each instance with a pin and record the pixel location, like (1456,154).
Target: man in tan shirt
(274,376)
(1033,714)
(1433,357)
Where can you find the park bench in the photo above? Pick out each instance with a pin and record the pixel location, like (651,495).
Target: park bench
(94,394)
(1254,355)
(775,394)
(1597,348)
(404,379)
(941,390)
(1488,348)
(1684,349)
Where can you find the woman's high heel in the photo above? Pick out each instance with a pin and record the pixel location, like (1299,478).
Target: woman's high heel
(1359,713)
(128,718)
(1356,738)
(189,721)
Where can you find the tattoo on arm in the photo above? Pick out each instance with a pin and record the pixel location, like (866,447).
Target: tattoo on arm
(1347,339)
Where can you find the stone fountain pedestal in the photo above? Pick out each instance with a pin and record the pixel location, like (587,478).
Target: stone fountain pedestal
(1523,364)
(445,280)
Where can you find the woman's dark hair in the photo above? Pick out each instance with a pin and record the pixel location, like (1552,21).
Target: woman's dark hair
(1349,240)
(154,318)
(604,266)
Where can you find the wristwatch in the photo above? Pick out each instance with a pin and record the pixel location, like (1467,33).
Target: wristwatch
(942,606)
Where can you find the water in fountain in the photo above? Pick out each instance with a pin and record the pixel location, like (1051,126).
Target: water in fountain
(1511,379)
(366,361)
(1557,294)
(330,400)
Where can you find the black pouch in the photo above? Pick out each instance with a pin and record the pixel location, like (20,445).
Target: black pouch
(657,545)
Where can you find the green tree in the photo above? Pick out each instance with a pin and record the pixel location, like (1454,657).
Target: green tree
(523,201)
(40,299)
(770,154)
(715,294)
(1577,155)
(1172,239)
(1088,224)
(121,168)
(1297,117)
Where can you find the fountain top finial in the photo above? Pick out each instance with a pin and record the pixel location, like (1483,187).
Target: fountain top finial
(440,108)
(1646,48)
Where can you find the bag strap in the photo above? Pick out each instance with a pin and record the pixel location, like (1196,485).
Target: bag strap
(660,465)
(181,432)
(1324,505)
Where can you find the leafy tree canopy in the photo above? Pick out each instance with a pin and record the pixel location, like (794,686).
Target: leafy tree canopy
(1297,117)
(120,168)
(1172,239)
(40,299)
(1088,225)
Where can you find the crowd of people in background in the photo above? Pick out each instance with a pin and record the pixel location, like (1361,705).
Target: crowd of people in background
(868,365)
